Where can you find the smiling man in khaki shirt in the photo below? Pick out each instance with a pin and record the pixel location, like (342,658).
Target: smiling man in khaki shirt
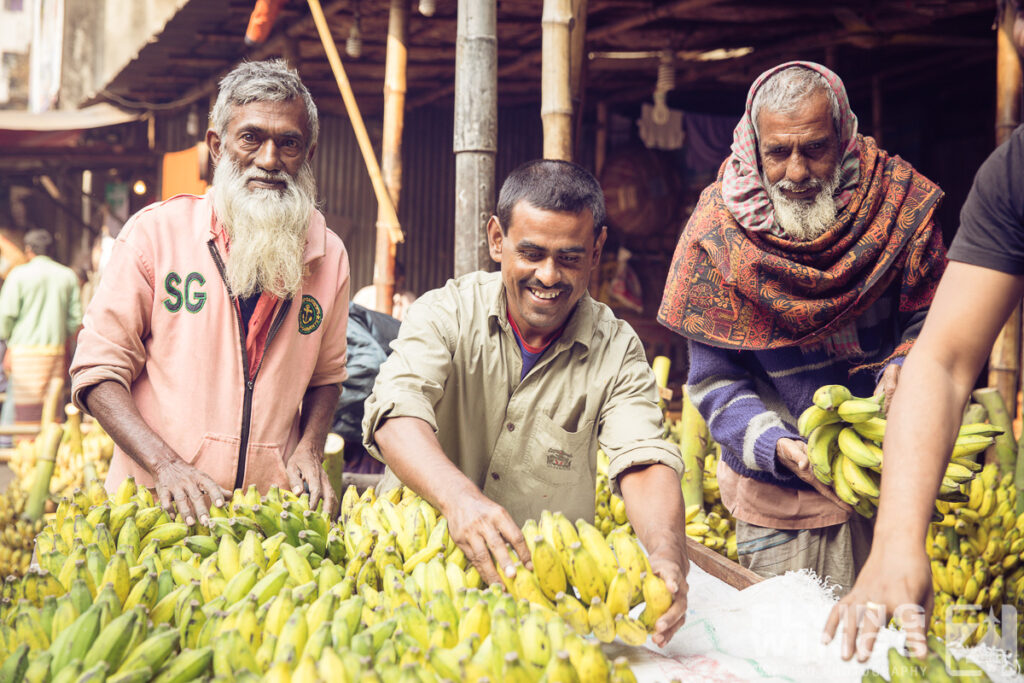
(502,386)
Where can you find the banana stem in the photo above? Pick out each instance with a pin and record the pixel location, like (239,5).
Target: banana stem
(974,413)
(1006,446)
(73,426)
(49,440)
(693,444)
(953,538)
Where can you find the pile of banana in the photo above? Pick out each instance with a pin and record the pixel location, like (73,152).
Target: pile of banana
(274,589)
(610,508)
(844,444)
(976,553)
(80,457)
(939,666)
(16,534)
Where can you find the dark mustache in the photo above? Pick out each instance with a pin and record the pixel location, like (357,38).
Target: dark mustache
(545,288)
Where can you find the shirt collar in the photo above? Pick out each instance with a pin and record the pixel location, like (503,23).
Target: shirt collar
(316,233)
(579,328)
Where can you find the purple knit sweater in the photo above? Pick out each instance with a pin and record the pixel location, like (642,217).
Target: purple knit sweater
(751,399)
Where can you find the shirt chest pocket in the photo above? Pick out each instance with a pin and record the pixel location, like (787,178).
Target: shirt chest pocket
(557,456)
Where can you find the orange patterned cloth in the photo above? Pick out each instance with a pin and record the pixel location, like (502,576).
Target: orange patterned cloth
(738,289)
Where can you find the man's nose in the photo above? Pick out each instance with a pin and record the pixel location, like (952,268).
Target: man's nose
(796,168)
(268,157)
(547,273)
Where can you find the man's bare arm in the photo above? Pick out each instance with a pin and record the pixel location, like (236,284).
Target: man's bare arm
(305,465)
(969,309)
(477,524)
(655,507)
(178,484)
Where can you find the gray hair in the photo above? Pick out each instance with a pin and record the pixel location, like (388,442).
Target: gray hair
(268,81)
(785,91)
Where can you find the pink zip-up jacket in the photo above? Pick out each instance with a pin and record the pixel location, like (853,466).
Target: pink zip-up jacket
(163,325)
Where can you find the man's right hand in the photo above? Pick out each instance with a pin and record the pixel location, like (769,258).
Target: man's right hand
(181,486)
(481,528)
(793,454)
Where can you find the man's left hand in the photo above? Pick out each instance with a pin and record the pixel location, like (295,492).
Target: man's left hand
(887,385)
(305,469)
(670,563)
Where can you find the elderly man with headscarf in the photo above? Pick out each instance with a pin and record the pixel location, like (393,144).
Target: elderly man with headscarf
(811,260)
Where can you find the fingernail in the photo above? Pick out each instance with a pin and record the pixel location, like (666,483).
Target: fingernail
(296,490)
(189,521)
(510,572)
(825,640)
(847,651)
(204,520)
(219,502)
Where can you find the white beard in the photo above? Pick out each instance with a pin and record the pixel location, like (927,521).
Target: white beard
(803,220)
(267,228)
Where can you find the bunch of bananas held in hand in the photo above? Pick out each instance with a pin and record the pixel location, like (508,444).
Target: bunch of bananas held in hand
(80,457)
(274,589)
(17,535)
(844,444)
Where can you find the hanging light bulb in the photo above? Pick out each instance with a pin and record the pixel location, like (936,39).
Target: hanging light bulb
(428,7)
(666,81)
(354,44)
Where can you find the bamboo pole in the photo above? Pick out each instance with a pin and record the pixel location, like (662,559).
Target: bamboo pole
(476,130)
(391,148)
(577,71)
(555,100)
(1004,363)
(390,224)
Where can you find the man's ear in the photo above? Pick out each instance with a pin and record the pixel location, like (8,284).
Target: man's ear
(598,244)
(213,142)
(495,238)
(312,151)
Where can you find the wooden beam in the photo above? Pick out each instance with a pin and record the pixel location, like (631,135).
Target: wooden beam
(391,151)
(358,126)
(532,58)
(720,567)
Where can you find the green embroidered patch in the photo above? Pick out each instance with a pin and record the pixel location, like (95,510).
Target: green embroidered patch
(310,315)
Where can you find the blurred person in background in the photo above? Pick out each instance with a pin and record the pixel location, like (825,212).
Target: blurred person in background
(40,309)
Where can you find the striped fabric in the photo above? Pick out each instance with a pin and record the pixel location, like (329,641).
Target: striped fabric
(32,368)
(742,188)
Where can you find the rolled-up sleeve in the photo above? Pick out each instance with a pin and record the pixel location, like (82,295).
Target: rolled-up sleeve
(631,423)
(412,380)
(110,346)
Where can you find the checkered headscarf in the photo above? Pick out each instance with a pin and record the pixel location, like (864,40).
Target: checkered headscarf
(742,188)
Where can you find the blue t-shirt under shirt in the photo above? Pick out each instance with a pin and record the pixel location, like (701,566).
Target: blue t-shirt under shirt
(530,354)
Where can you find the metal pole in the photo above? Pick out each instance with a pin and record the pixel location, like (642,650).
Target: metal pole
(391,148)
(1004,363)
(476,130)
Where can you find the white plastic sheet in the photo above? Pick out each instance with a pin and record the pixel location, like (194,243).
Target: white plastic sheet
(769,632)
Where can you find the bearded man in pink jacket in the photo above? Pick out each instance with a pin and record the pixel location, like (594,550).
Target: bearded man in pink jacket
(214,350)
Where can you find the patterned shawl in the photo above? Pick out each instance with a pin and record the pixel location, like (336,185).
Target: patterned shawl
(738,289)
(742,187)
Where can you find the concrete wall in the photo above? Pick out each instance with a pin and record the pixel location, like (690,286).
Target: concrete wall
(104,36)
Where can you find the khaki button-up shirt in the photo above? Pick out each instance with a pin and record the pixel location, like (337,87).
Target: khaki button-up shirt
(529,445)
